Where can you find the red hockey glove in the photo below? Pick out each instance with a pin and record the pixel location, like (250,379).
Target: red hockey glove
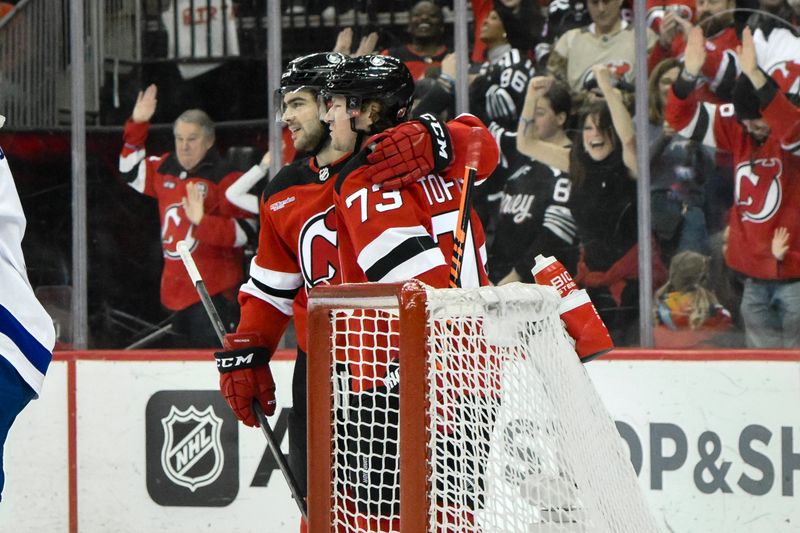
(245,376)
(405,153)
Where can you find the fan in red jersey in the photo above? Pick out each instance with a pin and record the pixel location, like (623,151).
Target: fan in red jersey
(190,186)
(761,131)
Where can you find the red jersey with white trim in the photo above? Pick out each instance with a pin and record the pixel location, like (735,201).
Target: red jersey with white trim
(720,68)
(216,243)
(296,250)
(767,178)
(387,236)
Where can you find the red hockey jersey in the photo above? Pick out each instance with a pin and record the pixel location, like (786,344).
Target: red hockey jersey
(296,250)
(767,178)
(216,243)
(721,65)
(387,236)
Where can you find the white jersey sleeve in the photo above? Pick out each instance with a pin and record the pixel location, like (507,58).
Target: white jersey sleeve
(27,335)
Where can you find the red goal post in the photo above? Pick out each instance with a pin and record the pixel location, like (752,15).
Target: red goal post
(493,426)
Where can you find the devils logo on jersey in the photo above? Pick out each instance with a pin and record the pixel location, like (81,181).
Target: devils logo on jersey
(176,227)
(319,257)
(619,69)
(758,189)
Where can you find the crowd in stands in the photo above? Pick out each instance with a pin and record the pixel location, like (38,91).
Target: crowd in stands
(554,83)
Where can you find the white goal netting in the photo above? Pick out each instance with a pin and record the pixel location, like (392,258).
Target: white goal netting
(517,438)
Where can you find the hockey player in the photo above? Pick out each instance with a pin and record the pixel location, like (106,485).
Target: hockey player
(189,186)
(297,245)
(390,236)
(27,335)
(761,131)
(367,95)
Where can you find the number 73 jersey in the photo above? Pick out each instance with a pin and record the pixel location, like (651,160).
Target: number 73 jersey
(395,235)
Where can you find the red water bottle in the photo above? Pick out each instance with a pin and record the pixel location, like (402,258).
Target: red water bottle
(577,312)
(550,271)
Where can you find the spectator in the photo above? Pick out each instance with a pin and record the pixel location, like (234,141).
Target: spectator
(190,186)
(678,167)
(715,17)
(761,132)
(602,166)
(496,97)
(688,314)
(608,40)
(777,43)
(657,10)
(534,215)
(527,14)
(27,334)
(427,47)
(201,35)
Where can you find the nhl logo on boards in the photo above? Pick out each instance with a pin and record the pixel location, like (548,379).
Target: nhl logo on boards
(191,449)
(192,454)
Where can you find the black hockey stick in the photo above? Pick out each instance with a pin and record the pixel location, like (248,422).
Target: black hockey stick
(219,329)
(464,207)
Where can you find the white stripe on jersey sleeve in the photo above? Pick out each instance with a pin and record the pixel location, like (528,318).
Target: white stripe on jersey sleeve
(282,281)
(558,219)
(414,266)
(284,305)
(708,112)
(390,239)
(127,163)
(793,148)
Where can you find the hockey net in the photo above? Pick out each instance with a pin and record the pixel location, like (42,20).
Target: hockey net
(488,422)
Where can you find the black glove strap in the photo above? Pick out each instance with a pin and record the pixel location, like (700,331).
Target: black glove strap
(440,140)
(241,358)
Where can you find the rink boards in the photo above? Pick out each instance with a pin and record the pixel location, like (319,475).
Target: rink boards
(142,441)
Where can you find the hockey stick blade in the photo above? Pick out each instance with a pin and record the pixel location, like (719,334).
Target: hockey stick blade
(272,443)
(465,205)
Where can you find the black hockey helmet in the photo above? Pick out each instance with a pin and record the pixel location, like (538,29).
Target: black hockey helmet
(373,77)
(308,72)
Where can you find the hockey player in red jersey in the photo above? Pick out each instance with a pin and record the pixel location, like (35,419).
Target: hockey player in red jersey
(298,244)
(760,130)
(215,229)
(389,236)
(413,239)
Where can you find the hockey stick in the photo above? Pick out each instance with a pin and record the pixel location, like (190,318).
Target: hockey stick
(462,225)
(219,329)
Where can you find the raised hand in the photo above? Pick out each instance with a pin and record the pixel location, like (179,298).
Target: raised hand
(344,41)
(538,85)
(603,77)
(695,54)
(449,65)
(193,203)
(145,104)
(668,28)
(367,44)
(747,53)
